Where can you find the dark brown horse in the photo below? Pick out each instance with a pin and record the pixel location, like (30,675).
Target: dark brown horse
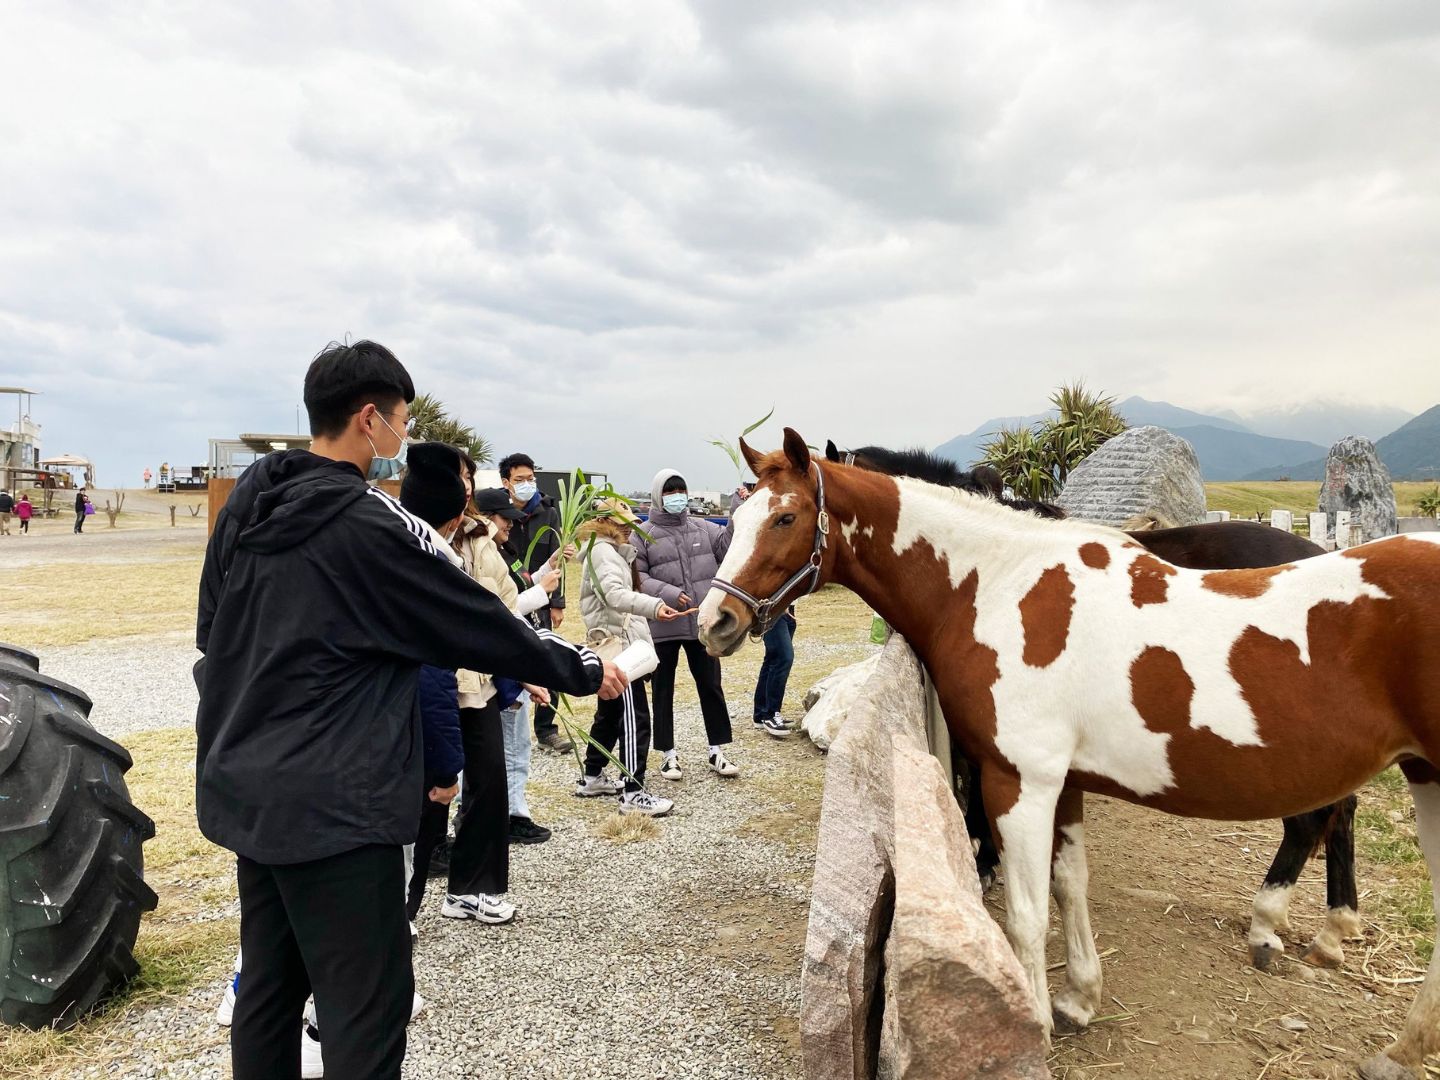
(1230,545)
(1068,659)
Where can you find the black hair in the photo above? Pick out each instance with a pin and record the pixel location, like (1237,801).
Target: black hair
(675,483)
(343,379)
(508,464)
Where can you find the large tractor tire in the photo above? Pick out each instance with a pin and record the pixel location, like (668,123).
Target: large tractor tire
(72,883)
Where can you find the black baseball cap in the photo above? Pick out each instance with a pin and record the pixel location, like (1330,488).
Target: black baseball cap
(497,501)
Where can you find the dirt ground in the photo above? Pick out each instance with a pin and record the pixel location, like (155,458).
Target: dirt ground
(1170,905)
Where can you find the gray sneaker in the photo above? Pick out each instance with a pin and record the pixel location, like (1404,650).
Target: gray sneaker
(553,740)
(588,787)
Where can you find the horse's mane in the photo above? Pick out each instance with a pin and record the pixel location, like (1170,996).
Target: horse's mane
(932,469)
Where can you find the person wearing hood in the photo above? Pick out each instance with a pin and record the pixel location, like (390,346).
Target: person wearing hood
(320,598)
(614,608)
(676,562)
(538,524)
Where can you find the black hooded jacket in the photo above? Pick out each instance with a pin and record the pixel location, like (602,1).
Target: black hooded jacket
(319,600)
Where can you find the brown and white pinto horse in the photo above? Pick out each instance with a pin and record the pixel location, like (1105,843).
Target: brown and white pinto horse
(1069,659)
(1222,545)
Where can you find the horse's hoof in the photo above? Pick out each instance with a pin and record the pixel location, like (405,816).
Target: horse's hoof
(1065,1024)
(1384,1067)
(1323,955)
(987,882)
(1264,953)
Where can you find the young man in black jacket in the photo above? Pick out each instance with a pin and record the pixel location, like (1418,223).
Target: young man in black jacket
(540,525)
(319,600)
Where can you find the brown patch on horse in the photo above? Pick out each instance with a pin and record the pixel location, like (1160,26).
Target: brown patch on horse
(1045,617)
(1096,556)
(1242,584)
(1147,580)
(1161,689)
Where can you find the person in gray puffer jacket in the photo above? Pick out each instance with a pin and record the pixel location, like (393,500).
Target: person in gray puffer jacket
(677,563)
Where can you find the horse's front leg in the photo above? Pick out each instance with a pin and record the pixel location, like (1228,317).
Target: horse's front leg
(1070,881)
(1025,831)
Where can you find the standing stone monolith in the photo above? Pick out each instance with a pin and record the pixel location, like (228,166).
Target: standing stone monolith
(1142,471)
(1358,481)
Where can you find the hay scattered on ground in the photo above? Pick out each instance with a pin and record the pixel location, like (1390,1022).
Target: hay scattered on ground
(621,828)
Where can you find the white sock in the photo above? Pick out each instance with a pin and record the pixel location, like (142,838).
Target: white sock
(671,755)
(714,750)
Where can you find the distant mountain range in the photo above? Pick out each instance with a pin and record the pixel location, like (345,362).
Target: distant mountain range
(1411,452)
(1230,447)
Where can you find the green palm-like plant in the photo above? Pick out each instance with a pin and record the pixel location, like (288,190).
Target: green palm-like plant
(433,423)
(732,450)
(1035,461)
(1428,505)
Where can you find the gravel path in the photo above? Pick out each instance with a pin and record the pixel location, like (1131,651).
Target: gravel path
(677,956)
(135,683)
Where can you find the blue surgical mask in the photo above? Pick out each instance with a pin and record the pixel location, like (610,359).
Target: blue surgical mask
(676,503)
(525,490)
(387,468)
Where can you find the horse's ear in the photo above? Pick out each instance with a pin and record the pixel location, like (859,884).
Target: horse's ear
(989,478)
(832,452)
(797,451)
(751,456)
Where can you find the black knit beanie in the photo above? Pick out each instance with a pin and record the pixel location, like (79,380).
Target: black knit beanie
(432,489)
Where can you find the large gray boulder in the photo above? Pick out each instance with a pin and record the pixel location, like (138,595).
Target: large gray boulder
(1142,472)
(1358,481)
(906,976)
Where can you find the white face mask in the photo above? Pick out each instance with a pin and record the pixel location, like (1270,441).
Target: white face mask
(525,490)
(675,503)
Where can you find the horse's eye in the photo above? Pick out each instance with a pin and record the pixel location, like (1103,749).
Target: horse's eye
(784,521)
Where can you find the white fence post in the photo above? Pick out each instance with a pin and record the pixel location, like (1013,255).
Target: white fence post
(1282,519)
(1320,529)
(1342,529)
(1212,516)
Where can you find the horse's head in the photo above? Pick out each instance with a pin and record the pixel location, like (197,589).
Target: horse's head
(780,551)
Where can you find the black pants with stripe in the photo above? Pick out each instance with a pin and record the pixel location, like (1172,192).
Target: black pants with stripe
(335,927)
(624,720)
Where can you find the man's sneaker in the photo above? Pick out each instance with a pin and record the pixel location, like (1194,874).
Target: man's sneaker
(414,932)
(439,861)
(416,1007)
(774,726)
(525,831)
(642,802)
(783,722)
(719,763)
(226,1010)
(312,1064)
(587,787)
(483,907)
(670,768)
(553,740)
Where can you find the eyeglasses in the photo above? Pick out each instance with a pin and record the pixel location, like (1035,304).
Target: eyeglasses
(409,424)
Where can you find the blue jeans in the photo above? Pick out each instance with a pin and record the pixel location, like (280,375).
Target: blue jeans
(515,725)
(775,671)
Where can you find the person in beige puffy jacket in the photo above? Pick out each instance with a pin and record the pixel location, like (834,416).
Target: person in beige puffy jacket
(614,608)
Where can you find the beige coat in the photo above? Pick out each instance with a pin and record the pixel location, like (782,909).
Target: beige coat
(482,561)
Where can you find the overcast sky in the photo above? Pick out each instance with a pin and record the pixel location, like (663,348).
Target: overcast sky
(604,232)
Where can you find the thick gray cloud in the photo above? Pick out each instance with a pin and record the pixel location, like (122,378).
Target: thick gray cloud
(606,232)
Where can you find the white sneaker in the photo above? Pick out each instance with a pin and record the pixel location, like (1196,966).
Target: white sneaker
(670,769)
(719,763)
(774,726)
(225,1012)
(587,787)
(482,907)
(642,802)
(312,1063)
(416,1007)
(414,932)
